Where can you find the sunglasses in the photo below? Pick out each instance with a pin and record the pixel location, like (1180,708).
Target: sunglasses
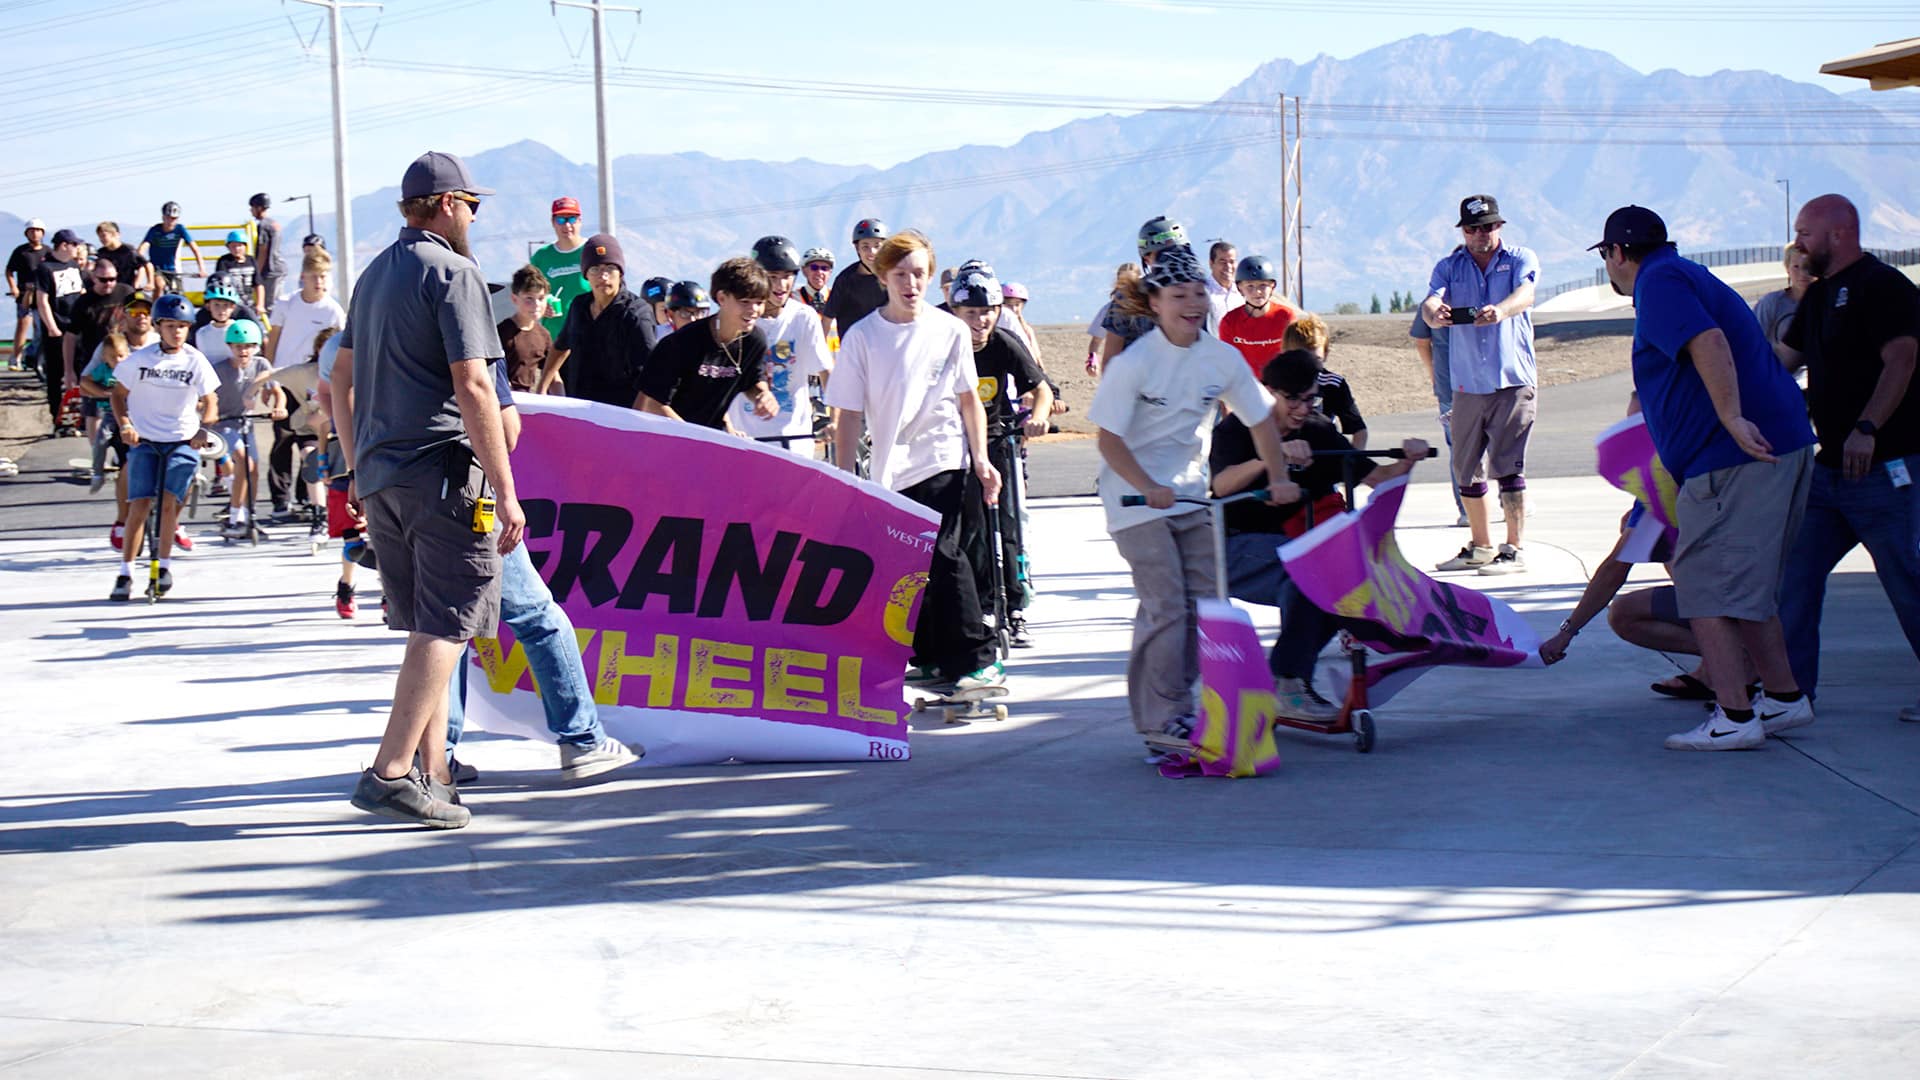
(1474,230)
(98,280)
(822,267)
(473,204)
(568,219)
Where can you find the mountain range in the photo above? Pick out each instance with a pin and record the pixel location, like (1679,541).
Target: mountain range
(1396,136)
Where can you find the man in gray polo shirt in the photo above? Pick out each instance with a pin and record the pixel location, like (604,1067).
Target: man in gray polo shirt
(1480,296)
(426,444)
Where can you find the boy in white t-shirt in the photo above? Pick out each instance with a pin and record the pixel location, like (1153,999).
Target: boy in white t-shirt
(1155,407)
(796,351)
(164,400)
(299,318)
(907,374)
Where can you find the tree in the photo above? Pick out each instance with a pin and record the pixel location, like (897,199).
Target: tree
(1375,309)
(1346,308)
(1394,305)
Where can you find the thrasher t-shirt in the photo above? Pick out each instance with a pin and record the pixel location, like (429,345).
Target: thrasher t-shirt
(164,391)
(698,376)
(1006,372)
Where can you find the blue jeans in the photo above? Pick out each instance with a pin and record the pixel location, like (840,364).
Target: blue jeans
(1841,514)
(1256,575)
(553,655)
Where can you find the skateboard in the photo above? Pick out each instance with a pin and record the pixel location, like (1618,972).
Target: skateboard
(959,706)
(70,408)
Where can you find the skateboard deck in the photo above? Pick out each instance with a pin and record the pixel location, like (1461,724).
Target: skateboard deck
(961,705)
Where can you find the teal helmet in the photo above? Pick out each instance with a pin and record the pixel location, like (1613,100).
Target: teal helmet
(220,290)
(236,237)
(244,332)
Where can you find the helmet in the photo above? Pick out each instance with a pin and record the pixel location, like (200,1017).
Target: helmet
(173,306)
(260,200)
(974,289)
(817,255)
(869,229)
(35,223)
(236,237)
(1159,234)
(686,294)
(1176,265)
(973,266)
(314,240)
(1255,268)
(655,289)
(1013,290)
(220,290)
(170,209)
(776,254)
(244,332)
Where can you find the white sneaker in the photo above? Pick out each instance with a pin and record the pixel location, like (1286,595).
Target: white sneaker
(577,763)
(994,674)
(1779,716)
(1470,558)
(1717,732)
(1509,561)
(1299,701)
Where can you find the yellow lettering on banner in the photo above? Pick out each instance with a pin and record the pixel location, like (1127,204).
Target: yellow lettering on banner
(847,682)
(1663,482)
(661,669)
(1631,483)
(710,663)
(1393,593)
(783,667)
(900,606)
(503,672)
(1354,604)
(1213,743)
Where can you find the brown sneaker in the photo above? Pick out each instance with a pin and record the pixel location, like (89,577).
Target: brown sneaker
(407,799)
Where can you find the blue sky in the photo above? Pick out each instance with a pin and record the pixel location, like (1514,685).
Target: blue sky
(226,70)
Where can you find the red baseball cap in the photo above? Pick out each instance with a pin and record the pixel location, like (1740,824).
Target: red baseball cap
(565,204)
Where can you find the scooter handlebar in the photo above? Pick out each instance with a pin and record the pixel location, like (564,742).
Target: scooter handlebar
(1394,454)
(1256,493)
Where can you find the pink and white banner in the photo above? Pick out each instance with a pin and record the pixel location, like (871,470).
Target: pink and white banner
(733,602)
(1233,735)
(1626,458)
(1351,566)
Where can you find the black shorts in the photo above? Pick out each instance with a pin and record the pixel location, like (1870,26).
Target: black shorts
(439,577)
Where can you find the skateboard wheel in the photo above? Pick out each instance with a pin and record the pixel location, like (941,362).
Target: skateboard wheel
(1363,731)
(999,712)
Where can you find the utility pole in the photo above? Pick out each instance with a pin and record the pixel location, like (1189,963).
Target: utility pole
(1299,212)
(600,9)
(309,201)
(1286,222)
(343,212)
(1788,185)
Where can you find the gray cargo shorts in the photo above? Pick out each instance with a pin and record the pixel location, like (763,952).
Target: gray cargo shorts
(1490,433)
(1736,526)
(439,577)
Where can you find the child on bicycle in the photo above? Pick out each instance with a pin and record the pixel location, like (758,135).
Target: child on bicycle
(1155,409)
(163,400)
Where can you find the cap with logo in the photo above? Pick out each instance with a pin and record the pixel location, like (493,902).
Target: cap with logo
(437,172)
(565,205)
(602,250)
(1632,225)
(1479,210)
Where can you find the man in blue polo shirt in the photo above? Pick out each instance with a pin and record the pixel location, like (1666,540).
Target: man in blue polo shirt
(1728,422)
(1480,296)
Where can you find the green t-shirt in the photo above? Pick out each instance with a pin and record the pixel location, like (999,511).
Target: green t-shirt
(562,269)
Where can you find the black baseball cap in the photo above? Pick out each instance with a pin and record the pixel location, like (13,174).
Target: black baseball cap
(1632,225)
(261,200)
(1480,210)
(437,172)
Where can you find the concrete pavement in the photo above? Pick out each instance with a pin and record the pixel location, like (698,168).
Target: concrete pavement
(1519,882)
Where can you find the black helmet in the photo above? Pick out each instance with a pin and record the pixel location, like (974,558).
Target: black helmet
(776,254)
(869,229)
(1255,268)
(686,294)
(655,289)
(1159,234)
(260,200)
(170,209)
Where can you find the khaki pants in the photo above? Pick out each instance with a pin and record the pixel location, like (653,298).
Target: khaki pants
(1172,562)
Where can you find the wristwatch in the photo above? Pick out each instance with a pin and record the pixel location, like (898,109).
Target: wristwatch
(1866,427)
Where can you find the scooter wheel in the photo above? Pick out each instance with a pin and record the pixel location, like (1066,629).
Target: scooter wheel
(1363,731)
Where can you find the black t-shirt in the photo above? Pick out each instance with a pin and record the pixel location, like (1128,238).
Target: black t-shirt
(855,295)
(24,264)
(93,316)
(698,376)
(1007,370)
(62,283)
(606,353)
(1336,402)
(126,261)
(1842,324)
(239,272)
(1233,444)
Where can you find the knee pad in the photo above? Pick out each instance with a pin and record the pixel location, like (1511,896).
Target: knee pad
(1474,491)
(1514,483)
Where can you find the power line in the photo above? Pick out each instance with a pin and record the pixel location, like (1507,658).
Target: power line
(1855,12)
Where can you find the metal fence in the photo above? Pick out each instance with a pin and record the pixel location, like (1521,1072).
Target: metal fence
(1735,256)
